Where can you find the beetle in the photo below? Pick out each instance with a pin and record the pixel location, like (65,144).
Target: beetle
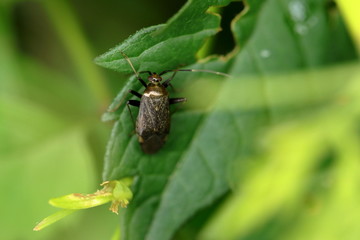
(153,121)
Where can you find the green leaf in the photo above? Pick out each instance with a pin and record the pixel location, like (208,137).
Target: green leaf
(155,47)
(290,185)
(116,191)
(194,167)
(53,218)
(79,201)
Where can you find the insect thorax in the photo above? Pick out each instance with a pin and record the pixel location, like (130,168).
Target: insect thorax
(155,90)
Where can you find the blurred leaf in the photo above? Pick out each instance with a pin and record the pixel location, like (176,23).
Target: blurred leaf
(44,149)
(70,33)
(280,179)
(192,170)
(58,93)
(349,10)
(8,66)
(288,35)
(34,172)
(19,132)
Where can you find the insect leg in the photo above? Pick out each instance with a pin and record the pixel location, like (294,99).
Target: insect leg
(134,103)
(172,87)
(113,109)
(135,93)
(167,82)
(177,100)
(142,81)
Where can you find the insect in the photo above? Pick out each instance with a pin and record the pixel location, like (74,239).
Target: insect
(153,120)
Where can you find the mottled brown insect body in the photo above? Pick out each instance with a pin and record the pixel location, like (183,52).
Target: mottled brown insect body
(153,121)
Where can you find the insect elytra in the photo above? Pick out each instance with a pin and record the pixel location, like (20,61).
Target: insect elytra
(153,121)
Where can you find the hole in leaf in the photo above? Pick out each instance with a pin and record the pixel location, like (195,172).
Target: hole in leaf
(224,42)
(331,5)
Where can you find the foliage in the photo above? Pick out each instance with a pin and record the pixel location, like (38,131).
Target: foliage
(50,134)
(116,192)
(209,142)
(267,154)
(304,179)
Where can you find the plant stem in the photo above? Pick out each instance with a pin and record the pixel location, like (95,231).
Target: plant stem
(8,63)
(70,33)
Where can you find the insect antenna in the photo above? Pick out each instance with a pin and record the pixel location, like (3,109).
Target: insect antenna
(148,72)
(130,63)
(132,67)
(195,70)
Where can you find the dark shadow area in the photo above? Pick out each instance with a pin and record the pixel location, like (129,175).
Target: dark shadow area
(224,40)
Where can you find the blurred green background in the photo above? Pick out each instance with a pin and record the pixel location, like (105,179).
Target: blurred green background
(52,95)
